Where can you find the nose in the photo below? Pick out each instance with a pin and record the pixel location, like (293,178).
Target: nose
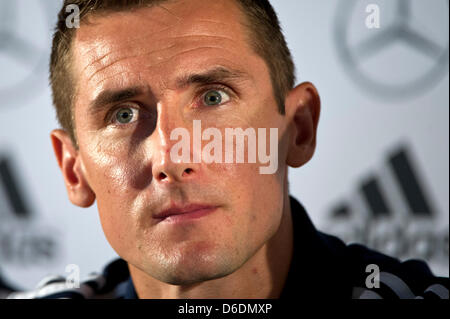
(165,168)
(167,171)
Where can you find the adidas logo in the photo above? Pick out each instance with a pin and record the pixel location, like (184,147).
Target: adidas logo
(392,212)
(24,240)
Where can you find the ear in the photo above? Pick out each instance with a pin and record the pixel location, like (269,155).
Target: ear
(69,160)
(303,112)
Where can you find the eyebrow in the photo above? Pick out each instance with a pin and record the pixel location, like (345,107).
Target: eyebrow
(114,96)
(218,74)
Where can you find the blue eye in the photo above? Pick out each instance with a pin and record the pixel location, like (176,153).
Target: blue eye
(215,97)
(126,115)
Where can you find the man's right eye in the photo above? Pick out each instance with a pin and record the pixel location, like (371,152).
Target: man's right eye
(216,97)
(125,115)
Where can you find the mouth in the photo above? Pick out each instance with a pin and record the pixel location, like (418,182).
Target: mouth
(183,213)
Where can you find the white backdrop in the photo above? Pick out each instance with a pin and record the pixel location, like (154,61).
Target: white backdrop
(385,100)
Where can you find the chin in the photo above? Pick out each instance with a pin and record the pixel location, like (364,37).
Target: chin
(189,279)
(195,268)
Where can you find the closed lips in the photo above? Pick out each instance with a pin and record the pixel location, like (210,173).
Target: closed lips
(182,210)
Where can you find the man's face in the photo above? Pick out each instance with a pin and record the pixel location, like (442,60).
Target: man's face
(124,139)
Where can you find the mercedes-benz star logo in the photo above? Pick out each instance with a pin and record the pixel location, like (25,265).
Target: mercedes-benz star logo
(355,57)
(24,26)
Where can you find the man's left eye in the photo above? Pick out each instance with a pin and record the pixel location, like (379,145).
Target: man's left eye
(215,97)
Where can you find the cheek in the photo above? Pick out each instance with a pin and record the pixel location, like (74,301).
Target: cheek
(256,199)
(113,169)
(114,177)
(116,202)
(116,227)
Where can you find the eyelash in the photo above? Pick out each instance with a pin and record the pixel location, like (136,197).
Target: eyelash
(110,117)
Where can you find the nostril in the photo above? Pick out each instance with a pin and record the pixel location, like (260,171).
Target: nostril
(162,176)
(166,176)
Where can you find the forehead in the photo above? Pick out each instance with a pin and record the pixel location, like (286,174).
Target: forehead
(159,43)
(164,20)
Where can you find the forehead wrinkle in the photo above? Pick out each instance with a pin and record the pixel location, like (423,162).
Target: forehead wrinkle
(106,45)
(141,11)
(98,60)
(164,49)
(211,21)
(105,19)
(200,36)
(164,30)
(102,46)
(184,52)
(169,12)
(115,75)
(125,58)
(151,66)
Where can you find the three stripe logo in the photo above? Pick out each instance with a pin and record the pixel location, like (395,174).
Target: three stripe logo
(25,241)
(392,211)
(12,199)
(380,203)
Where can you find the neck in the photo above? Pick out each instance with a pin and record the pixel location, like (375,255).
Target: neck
(262,276)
